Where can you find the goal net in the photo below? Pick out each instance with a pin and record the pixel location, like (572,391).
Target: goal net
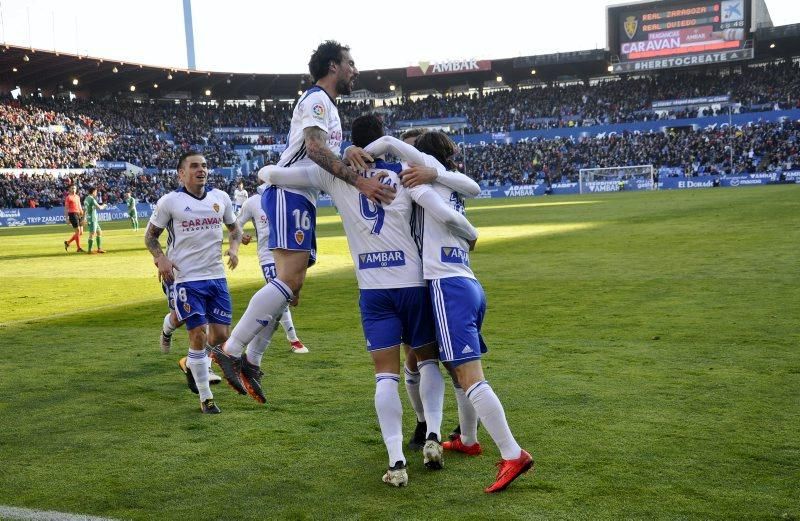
(616,179)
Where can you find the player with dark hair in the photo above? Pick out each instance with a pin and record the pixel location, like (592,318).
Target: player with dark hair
(394,301)
(193,216)
(73,214)
(315,138)
(459,306)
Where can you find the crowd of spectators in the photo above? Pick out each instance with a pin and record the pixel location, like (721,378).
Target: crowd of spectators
(765,147)
(38,132)
(46,190)
(608,102)
(762,147)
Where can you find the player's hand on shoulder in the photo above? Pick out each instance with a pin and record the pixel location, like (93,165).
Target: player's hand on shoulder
(357,158)
(375,190)
(418,175)
(233,259)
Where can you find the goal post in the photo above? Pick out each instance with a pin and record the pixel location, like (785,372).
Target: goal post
(616,178)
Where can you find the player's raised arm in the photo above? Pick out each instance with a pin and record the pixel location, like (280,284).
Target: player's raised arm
(426,169)
(318,151)
(290,176)
(435,207)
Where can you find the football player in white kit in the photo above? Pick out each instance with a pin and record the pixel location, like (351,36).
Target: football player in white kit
(240,195)
(193,217)
(315,138)
(251,363)
(459,306)
(394,301)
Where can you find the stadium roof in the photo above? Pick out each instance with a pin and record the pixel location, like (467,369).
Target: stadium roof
(53,72)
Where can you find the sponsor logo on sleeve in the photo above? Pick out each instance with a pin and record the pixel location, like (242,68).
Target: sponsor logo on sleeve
(318,111)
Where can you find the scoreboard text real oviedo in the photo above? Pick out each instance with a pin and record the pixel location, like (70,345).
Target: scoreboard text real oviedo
(679,34)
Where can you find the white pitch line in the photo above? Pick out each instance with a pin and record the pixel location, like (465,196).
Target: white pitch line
(27,514)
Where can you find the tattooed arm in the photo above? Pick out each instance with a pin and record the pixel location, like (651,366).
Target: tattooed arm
(234,240)
(318,151)
(165,266)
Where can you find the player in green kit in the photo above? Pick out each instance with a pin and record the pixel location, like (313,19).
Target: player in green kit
(91,206)
(131,202)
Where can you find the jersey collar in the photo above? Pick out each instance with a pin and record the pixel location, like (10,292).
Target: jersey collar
(185,191)
(315,88)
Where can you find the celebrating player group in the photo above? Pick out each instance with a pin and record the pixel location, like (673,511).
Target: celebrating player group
(409,239)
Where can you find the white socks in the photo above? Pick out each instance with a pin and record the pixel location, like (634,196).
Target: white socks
(467,418)
(390,414)
(412,388)
(198,364)
(258,346)
(288,326)
(267,303)
(493,417)
(168,328)
(431,392)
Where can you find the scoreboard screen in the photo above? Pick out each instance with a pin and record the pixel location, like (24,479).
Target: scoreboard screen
(667,34)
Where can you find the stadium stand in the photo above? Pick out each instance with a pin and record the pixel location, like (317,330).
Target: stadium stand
(54,131)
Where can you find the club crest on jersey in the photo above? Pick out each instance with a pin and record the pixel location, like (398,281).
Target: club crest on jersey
(215,206)
(452,255)
(187,307)
(318,111)
(299,236)
(630,25)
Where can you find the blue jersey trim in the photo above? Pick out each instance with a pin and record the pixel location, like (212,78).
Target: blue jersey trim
(394,167)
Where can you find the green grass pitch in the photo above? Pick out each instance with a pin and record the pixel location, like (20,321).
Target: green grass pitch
(644,345)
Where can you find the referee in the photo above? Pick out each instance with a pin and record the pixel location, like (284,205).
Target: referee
(73,214)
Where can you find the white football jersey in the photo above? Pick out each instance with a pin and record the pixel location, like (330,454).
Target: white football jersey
(194,228)
(444,254)
(251,211)
(384,253)
(239,196)
(315,109)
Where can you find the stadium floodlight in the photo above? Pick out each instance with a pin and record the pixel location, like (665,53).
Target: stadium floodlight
(533,72)
(25,58)
(499,79)
(772,45)
(14,69)
(133,88)
(392,88)
(155,85)
(208,92)
(610,68)
(299,92)
(74,81)
(616,179)
(115,70)
(169,75)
